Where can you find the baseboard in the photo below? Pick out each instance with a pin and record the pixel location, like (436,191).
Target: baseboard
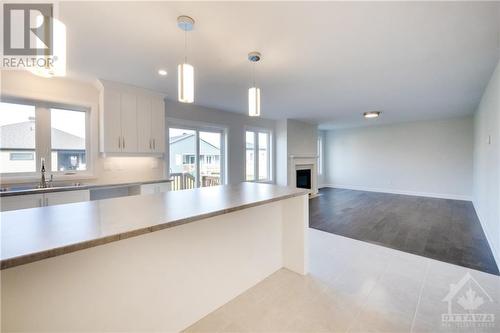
(413,193)
(496,254)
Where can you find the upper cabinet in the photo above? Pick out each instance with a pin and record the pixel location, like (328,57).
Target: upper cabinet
(132,120)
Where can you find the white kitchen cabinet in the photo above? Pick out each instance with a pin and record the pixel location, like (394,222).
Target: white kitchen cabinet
(24,201)
(21,202)
(158,125)
(129,122)
(65,197)
(132,120)
(155,188)
(144,124)
(110,121)
(151,124)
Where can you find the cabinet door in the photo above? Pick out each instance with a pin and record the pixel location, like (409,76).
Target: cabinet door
(110,126)
(144,137)
(59,198)
(155,188)
(21,202)
(129,122)
(158,125)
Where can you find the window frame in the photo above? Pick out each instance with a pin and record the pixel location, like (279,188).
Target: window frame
(198,127)
(320,154)
(256,131)
(43,141)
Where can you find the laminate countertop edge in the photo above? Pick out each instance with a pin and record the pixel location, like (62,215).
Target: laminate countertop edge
(65,249)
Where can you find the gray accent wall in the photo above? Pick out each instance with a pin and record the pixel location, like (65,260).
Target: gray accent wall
(293,137)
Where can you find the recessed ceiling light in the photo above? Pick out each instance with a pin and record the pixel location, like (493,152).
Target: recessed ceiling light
(162,72)
(372,114)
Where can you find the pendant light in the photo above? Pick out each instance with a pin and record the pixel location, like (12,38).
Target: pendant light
(185,71)
(254,92)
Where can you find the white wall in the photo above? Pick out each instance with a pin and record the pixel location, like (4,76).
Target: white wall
(487,162)
(235,123)
(431,158)
(62,90)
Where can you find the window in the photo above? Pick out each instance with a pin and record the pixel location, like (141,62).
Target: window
(17,130)
(21,151)
(202,151)
(68,142)
(320,154)
(258,155)
(250,156)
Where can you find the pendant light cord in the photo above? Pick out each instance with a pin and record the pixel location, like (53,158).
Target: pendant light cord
(253,74)
(185,46)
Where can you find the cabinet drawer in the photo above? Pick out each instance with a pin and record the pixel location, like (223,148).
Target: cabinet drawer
(155,188)
(59,198)
(21,202)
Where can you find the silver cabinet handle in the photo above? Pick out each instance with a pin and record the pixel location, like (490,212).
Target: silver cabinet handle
(149,144)
(154,144)
(123,139)
(119,142)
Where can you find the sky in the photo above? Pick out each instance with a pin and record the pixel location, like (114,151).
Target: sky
(65,120)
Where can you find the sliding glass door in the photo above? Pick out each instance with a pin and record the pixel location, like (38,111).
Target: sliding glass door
(196,157)
(210,158)
(182,162)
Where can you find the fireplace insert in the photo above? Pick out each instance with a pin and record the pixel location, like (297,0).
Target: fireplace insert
(304,178)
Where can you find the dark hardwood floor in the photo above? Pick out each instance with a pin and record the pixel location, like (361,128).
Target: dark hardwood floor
(442,229)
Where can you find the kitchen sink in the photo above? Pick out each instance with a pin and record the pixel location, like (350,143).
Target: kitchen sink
(32,187)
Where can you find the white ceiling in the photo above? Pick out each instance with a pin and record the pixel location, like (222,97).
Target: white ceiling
(323,62)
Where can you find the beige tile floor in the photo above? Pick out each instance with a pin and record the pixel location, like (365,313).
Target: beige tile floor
(359,287)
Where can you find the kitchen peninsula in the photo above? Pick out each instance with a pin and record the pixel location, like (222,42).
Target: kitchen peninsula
(156,262)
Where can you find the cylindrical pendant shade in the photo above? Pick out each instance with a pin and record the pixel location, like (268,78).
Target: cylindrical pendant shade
(254,102)
(185,83)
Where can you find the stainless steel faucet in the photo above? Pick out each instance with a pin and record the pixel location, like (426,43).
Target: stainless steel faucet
(43,182)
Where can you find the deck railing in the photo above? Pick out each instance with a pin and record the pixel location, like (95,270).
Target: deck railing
(185,181)
(182,181)
(210,181)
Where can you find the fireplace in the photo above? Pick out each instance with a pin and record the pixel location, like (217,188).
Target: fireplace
(303,178)
(303,173)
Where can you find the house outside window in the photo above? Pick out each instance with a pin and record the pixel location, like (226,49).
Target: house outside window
(202,151)
(21,149)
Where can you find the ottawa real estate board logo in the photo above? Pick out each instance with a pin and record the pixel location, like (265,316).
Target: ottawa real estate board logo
(28,35)
(469,305)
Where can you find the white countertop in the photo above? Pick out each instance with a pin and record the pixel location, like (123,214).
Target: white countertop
(29,235)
